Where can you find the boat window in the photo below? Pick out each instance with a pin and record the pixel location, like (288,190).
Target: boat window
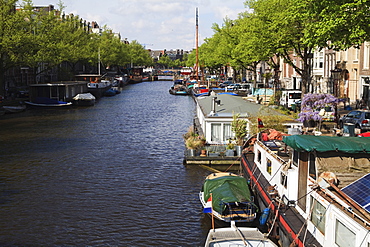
(228,134)
(294,95)
(259,156)
(216,132)
(268,166)
(283,180)
(318,215)
(295,158)
(344,237)
(312,166)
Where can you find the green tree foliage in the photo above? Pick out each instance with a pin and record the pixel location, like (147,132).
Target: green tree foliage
(46,39)
(139,56)
(287,26)
(239,127)
(271,120)
(165,61)
(338,24)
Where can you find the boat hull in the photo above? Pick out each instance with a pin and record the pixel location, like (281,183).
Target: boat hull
(178,92)
(82,102)
(49,105)
(289,223)
(14,109)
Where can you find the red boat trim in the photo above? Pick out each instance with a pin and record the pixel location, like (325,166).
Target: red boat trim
(273,207)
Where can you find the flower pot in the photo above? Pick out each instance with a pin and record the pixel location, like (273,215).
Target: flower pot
(229,152)
(213,154)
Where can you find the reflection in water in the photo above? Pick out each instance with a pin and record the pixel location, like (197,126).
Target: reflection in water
(111,174)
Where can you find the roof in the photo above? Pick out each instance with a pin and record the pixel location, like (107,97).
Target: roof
(229,105)
(310,143)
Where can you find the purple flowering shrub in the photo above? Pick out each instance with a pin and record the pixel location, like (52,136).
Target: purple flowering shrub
(313,103)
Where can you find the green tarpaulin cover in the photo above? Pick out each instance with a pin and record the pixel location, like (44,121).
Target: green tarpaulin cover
(226,189)
(309,143)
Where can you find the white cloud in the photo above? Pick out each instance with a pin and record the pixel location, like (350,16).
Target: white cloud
(167,24)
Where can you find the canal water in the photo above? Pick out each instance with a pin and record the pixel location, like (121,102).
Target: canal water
(107,175)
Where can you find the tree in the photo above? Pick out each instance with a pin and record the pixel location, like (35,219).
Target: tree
(284,21)
(61,39)
(164,61)
(139,56)
(337,24)
(17,38)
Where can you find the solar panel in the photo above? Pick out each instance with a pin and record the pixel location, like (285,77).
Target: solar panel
(359,191)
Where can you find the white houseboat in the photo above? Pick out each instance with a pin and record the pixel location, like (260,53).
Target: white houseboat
(214,115)
(317,188)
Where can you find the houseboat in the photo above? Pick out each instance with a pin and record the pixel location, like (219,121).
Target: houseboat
(97,85)
(316,187)
(55,91)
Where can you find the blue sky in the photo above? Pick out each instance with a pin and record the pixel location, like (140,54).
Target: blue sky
(157,24)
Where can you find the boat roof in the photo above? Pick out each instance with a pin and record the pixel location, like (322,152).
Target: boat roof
(229,105)
(235,236)
(309,143)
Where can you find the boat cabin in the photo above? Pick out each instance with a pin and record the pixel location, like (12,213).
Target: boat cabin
(61,91)
(214,115)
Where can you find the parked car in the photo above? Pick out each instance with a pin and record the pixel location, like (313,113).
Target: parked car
(233,86)
(361,119)
(225,84)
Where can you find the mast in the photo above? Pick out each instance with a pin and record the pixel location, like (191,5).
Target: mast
(196,46)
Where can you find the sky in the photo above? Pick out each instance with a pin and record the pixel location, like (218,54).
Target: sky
(156,24)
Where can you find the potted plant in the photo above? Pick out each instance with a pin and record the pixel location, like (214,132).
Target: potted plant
(230,149)
(213,154)
(239,127)
(193,141)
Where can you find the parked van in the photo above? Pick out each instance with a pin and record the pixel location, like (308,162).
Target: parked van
(289,97)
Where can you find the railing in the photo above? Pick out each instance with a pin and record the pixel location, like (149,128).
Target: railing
(211,151)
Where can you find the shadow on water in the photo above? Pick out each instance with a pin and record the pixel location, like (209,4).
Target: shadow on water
(110,174)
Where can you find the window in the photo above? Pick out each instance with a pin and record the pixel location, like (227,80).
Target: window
(228,134)
(318,215)
(312,166)
(268,166)
(295,95)
(366,56)
(221,132)
(259,156)
(216,132)
(344,237)
(295,158)
(283,180)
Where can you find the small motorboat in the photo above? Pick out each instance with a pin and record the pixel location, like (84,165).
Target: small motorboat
(14,109)
(228,198)
(84,99)
(179,88)
(237,236)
